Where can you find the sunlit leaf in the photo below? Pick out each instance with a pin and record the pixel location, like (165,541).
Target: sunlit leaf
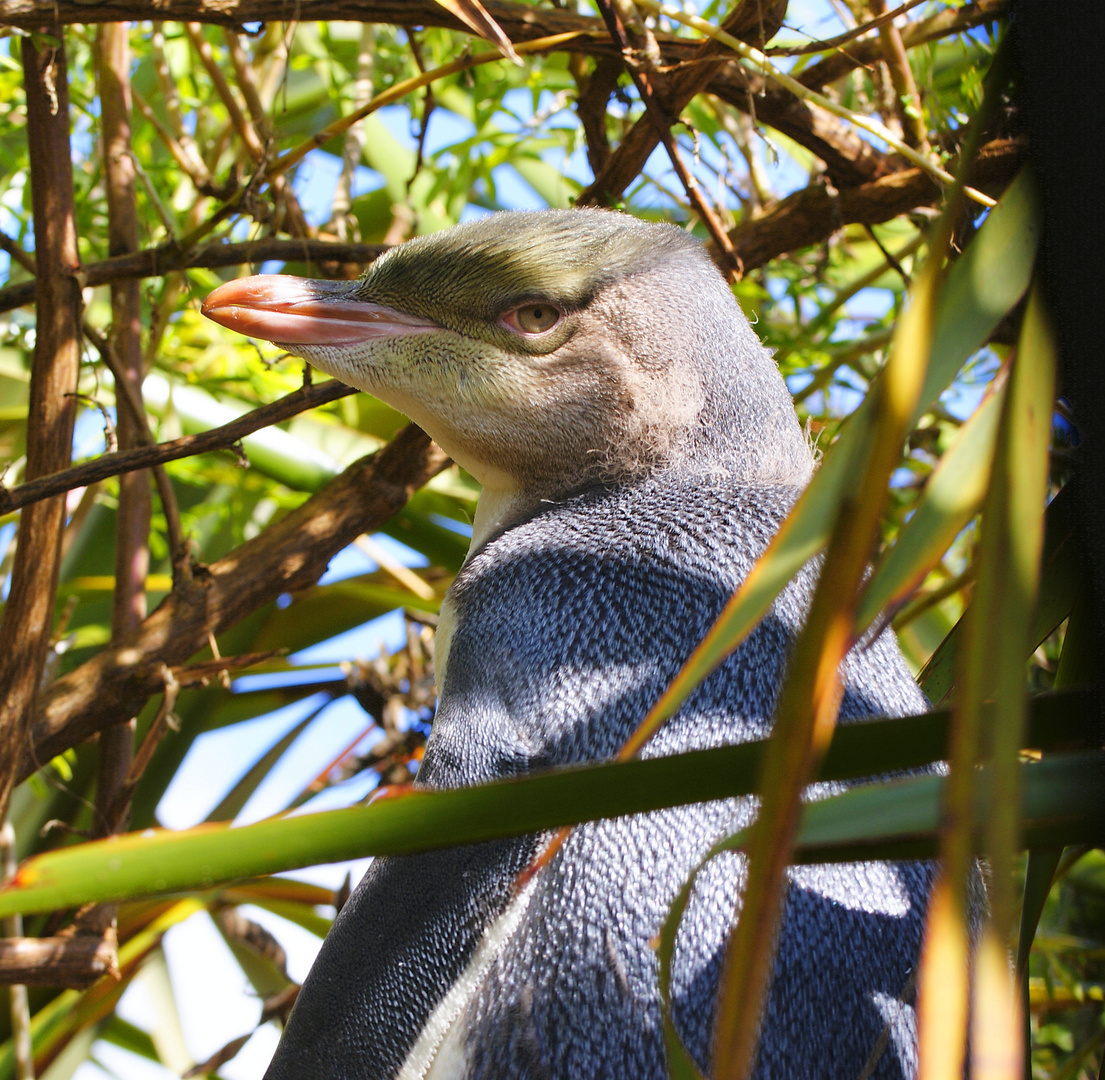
(407,820)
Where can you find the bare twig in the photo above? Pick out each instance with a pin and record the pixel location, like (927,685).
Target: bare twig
(696,73)
(400,90)
(254,936)
(355,138)
(848,35)
(125,347)
(428,105)
(813,214)
(521,22)
(74,960)
(189,160)
(128,394)
(594,93)
(244,74)
(951,20)
(17,254)
(906,99)
(226,95)
(921,602)
(169,93)
(159,261)
(838,357)
(115,812)
(891,260)
(144,457)
(640,64)
(278,1006)
(760,63)
(293,220)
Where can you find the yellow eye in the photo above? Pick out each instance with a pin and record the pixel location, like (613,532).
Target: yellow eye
(533,318)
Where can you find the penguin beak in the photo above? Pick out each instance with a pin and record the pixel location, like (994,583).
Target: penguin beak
(305,311)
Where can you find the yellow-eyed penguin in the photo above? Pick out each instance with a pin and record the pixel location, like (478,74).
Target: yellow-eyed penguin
(637,450)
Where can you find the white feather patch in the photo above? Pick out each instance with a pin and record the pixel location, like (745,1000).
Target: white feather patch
(438,1052)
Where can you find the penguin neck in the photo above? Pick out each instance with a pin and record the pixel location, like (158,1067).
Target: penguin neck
(499,506)
(502,497)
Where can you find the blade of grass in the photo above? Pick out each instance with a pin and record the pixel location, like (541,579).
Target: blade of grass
(997,641)
(1059,586)
(233,801)
(1076,668)
(810,698)
(953,495)
(1038,876)
(162,861)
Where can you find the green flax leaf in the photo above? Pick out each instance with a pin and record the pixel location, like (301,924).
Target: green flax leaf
(160,861)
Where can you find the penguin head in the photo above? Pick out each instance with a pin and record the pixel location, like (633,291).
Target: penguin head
(546,351)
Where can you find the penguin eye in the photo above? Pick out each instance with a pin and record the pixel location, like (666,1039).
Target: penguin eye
(533,318)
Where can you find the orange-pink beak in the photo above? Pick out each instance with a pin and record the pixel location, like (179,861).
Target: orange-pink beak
(304,311)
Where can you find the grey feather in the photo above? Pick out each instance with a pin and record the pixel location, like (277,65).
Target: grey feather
(569,626)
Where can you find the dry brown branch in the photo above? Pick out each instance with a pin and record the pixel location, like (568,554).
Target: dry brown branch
(639,54)
(520,22)
(190,162)
(849,160)
(595,90)
(832,140)
(868,50)
(813,214)
(203,671)
(115,812)
(170,95)
(116,747)
(29,612)
(517,20)
(907,101)
(129,396)
(244,75)
(341,220)
(243,931)
(276,1007)
(237,118)
(75,960)
(751,20)
(848,35)
(155,262)
(124,344)
(257,134)
(144,457)
(286,557)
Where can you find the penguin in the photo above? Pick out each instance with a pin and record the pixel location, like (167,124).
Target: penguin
(637,450)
